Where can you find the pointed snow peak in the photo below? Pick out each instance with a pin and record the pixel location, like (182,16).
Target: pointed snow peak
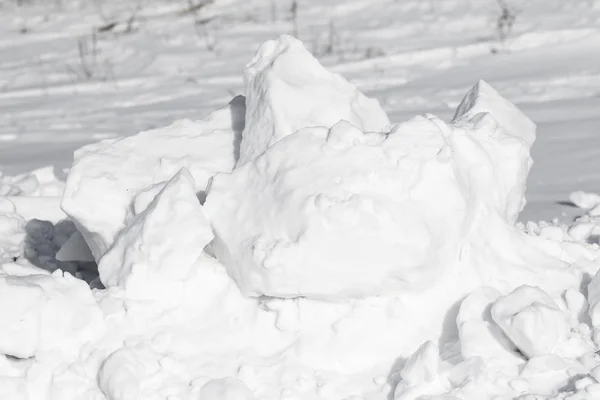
(483,98)
(287,89)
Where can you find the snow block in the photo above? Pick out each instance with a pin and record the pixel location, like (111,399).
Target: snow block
(42,313)
(287,89)
(161,244)
(478,333)
(352,214)
(107,176)
(532,321)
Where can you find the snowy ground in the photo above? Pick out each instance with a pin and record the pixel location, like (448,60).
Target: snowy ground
(63,86)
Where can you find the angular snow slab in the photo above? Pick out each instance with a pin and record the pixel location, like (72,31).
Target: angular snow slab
(483,98)
(43,313)
(75,249)
(161,244)
(107,176)
(287,89)
(532,321)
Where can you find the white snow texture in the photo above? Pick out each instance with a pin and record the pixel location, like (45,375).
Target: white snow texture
(294,244)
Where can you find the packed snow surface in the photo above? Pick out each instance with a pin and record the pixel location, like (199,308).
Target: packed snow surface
(295,244)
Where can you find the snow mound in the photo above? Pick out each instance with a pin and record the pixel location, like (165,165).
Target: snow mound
(121,168)
(369,212)
(287,89)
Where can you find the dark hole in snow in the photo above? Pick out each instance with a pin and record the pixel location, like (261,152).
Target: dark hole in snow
(201,195)
(593,239)
(16,359)
(44,239)
(238,122)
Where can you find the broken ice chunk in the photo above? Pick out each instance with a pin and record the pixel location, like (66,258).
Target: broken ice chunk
(479,335)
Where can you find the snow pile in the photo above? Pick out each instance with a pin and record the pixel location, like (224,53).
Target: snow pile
(122,168)
(334,258)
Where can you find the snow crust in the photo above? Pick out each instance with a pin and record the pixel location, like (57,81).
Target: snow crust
(316,253)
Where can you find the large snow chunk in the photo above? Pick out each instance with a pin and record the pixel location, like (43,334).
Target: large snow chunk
(287,89)
(483,98)
(43,313)
(107,176)
(532,320)
(350,214)
(161,244)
